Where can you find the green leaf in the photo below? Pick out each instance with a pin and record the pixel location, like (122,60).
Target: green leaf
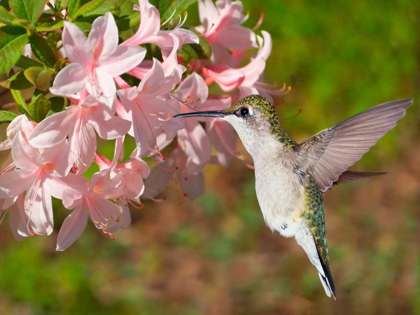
(88,7)
(72,8)
(127,22)
(25,62)
(39,108)
(84,26)
(63,4)
(58,104)
(42,50)
(6,116)
(193,52)
(20,103)
(17,81)
(6,17)
(40,77)
(50,27)
(29,10)
(11,47)
(179,5)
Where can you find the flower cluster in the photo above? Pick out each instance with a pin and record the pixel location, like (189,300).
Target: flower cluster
(115,87)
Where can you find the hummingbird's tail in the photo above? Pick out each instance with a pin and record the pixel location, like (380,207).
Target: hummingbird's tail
(305,239)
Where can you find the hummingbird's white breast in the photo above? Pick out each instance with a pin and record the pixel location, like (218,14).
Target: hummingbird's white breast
(280,195)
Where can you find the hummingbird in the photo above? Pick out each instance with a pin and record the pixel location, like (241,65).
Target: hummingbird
(291,178)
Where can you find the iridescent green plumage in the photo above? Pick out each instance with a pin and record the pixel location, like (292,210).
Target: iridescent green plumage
(269,112)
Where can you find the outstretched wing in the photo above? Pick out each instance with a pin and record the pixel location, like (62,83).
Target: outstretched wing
(332,151)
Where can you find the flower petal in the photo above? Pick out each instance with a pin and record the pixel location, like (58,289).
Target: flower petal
(73,226)
(70,80)
(24,155)
(14,183)
(122,60)
(75,44)
(53,129)
(112,128)
(103,38)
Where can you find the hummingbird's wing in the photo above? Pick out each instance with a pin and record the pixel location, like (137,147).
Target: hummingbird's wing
(332,151)
(351,176)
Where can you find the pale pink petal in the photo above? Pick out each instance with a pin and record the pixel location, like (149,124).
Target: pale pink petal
(107,88)
(157,181)
(57,160)
(153,80)
(70,80)
(234,37)
(103,38)
(149,25)
(14,183)
(223,137)
(14,127)
(193,90)
(112,128)
(209,14)
(228,79)
(195,142)
(134,184)
(192,185)
(122,60)
(73,226)
(75,44)
(141,131)
(74,186)
(40,213)
(53,129)
(17,220)
(24,155)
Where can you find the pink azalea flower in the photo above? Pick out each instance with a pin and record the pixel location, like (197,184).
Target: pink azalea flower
(229,79)
(41,175)
(151,115)
(95,60)
(20,123)
(221,26)
(78,124)
(132,173)
(194,139)
(17,216)
(94,203)
(149,30)
(191,180)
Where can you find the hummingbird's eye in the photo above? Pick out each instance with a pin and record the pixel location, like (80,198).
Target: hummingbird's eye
(244,112)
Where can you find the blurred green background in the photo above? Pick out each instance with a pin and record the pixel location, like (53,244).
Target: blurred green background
(215,255)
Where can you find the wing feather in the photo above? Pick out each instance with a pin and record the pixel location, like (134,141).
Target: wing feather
(332,151)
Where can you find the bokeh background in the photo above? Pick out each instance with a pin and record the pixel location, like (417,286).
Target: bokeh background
(215,255)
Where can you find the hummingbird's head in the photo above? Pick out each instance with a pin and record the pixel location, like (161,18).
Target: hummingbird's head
(254,119)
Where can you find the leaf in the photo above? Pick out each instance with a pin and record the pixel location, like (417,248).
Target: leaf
(28,9)
(72,8)
(58,104)
(50,27)
(17,81)
(84,26)
(88,7)
(42,50)
(25,62)
(39,108)
(179,5)
(20,103)
(63,4)
(6,116)
(128,22)
(193,52)
(11,47)
(40,77)
(6,17)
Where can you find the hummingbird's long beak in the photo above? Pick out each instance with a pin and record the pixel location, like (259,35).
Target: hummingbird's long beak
(218,114)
